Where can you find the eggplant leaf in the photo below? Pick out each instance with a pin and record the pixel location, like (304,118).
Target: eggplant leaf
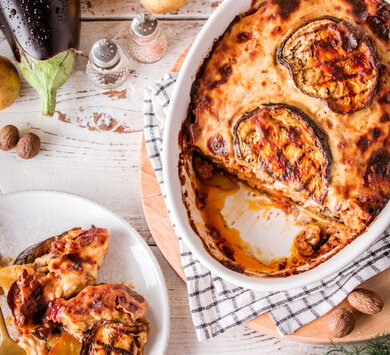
(46,76)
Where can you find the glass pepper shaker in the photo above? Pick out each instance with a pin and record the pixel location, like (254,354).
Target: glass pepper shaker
(107,65)
(148,42)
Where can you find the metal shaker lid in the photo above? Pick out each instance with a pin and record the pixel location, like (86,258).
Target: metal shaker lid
(144,26)
(105,53)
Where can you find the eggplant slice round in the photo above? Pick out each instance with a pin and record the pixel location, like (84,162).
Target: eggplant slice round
(33,252)
(333,60)
(286,144)
(110,337)
(30,254)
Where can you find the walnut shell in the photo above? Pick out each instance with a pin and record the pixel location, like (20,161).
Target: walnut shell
(365,301)
(341,322)
(9,137)
(28,146)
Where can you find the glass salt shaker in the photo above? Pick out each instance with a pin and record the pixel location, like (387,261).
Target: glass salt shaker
(107,65)
(148,42)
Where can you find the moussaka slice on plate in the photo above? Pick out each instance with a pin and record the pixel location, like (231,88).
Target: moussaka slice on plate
(56,303)
(293,101)
(60,266)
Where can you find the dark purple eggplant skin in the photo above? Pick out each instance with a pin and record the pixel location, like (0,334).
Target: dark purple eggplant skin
(28,255)
(42,28)
(35,251)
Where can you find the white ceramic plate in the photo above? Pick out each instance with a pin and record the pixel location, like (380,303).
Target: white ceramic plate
(28,217)
(177,113)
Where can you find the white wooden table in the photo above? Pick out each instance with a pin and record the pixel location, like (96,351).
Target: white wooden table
(103,165)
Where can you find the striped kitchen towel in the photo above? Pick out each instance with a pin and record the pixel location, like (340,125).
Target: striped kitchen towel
(216,305)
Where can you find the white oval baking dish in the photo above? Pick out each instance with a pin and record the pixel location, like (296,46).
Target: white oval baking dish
(177,112)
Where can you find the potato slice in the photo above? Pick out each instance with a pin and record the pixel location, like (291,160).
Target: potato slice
(66,345)
(10,274)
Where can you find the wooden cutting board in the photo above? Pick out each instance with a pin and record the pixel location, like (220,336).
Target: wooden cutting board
(156,215)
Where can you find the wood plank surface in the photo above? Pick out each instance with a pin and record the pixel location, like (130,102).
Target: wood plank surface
(103,165)
(103,9)
(100,165)
(81,103)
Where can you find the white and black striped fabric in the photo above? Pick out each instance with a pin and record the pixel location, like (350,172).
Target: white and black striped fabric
(216,305)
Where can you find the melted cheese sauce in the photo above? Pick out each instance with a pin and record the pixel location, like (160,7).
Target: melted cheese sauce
(230,240)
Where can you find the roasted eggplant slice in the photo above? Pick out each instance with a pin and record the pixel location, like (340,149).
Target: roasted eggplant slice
(94,304)
(332,60)
(35,251)
(69,262)
(108,337)
(283,142)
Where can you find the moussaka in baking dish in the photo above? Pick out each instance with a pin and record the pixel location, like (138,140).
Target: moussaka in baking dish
(293,101)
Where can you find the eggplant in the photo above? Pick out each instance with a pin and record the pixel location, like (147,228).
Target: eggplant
(332,60)
(35,251)
(287,145)
(107,337)
(44,37)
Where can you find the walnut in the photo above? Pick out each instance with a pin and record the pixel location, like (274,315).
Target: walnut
(365,301)
(28,146)
(9,136)
(341,322)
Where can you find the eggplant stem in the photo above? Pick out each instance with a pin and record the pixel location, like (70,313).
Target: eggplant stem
(46,76)
(47,100)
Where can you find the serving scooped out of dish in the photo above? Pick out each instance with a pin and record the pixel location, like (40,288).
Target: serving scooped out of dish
(55,299)
(284,155)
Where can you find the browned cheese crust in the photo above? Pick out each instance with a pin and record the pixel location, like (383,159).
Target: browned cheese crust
(70,264)
(330,62)
(94,304)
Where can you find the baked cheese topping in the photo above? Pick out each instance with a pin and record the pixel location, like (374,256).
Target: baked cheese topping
(56,296)
(94,304)
(294,101)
